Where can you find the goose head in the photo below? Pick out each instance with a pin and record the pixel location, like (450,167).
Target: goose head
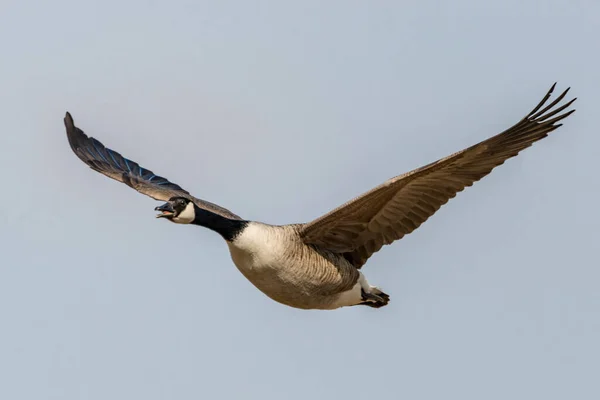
(178,209)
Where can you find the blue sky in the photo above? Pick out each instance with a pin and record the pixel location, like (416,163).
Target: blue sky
(281,111)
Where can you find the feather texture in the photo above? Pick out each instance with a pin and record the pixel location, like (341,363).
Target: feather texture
(400,205)
(114,165)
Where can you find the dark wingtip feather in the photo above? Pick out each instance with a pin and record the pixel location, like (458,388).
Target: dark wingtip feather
(542,115)
(72,132)
(76,137)
(69,123)
(541,103)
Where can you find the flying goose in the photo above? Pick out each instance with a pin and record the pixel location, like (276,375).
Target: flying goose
(317,265)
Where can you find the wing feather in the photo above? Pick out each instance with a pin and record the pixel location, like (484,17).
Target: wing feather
(112,164)
(400,205)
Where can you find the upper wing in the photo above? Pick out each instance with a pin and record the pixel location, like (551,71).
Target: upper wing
(400,205)
(114,165)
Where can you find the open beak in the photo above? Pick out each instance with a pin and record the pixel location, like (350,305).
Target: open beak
(166,210)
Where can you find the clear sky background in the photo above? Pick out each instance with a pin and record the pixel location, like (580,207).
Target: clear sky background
(280,111)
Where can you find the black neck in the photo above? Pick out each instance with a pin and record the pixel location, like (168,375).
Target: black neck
(227,228)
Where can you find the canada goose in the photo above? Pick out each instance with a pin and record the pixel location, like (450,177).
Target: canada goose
(317,265)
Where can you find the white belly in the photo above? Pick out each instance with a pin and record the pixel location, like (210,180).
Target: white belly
(262,254)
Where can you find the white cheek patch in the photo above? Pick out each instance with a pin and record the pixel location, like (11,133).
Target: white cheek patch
(187,215)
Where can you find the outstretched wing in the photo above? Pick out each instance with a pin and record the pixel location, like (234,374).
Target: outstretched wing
(115,166)
(400,205)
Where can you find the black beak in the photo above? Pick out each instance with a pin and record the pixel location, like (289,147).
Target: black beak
(166,210)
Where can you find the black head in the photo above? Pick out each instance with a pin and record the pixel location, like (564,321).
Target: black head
(178,209)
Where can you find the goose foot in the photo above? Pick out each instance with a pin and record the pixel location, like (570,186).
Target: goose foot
(375,299)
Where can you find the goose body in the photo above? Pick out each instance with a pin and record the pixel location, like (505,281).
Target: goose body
(281,265)
(317,265)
